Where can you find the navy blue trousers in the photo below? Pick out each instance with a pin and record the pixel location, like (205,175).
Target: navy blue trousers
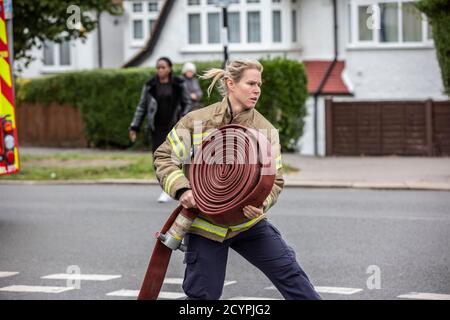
(262,245)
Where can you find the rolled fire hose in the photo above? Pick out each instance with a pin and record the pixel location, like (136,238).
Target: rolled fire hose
(234,167)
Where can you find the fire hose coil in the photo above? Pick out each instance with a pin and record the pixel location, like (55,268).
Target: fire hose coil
(234,167)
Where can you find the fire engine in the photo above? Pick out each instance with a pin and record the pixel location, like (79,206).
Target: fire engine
(9,155)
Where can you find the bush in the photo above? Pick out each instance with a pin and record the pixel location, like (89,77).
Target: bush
(108,98)
(438,12)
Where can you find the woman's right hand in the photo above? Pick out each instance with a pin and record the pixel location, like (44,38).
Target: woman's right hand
(187,200)
(133,135)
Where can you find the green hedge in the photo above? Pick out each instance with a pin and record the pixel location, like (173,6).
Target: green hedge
(108,98)
(438,12)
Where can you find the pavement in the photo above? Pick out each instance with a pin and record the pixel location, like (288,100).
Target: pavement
(387,172)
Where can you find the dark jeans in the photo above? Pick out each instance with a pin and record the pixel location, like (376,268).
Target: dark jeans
(158,137)
(262,245)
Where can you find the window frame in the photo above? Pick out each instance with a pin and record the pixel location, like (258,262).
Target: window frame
(57,66)
(264,7)
(145,16)
(375,43)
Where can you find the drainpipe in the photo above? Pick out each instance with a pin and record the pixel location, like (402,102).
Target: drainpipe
(325,77)
(99,43)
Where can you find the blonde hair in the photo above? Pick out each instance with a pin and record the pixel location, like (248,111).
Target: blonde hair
(234,71)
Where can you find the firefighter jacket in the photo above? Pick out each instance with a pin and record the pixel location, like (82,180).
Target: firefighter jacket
(172,160)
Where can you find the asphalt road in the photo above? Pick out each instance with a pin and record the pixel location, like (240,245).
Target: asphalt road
(377,244)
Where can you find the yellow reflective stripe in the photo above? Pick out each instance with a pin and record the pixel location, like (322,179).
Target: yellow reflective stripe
(176,143)
(171,179)
(244,225)
(7,108)
(198,137)
(209,227)
(278,162)
(174,146)
(3,31)
(5,71)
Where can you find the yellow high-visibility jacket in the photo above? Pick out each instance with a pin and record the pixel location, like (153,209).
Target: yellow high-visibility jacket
(173,157)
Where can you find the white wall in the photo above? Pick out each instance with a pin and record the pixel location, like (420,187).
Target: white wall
(84,53)
(112,40)
(395,74)
(306,142)
(316,29)
(83,56)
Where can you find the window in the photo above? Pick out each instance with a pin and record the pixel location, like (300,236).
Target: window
(64,53)
(138,30)
(194,28)
(388,22)
(412,23)
(276,26)
(252,1)
(56,54)
(193,2)
(137,7)
(143,15)
(153,6)
(151,25)
(294,26)
(364,18)
(213,28)
(234,27)
(215,2)
(49,53)
(253,27)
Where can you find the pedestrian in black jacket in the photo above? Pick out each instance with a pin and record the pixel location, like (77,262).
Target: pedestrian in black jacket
(164,100)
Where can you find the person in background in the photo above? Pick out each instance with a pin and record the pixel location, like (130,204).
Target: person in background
(192,84)
(164,100)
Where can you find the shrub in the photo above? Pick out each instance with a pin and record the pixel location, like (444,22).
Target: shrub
(108,98)
(438,12)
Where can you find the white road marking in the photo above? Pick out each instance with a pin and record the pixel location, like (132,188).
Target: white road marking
(337,290)
(135,293)
(171,295)
(4,274)
(425,296)
(87,277)
(180,281)
(40,289)
(252,298)
(124,293)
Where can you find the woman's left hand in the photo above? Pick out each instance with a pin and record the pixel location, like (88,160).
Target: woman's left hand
(252,212)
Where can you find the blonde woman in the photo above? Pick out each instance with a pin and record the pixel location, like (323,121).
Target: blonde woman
(257,240)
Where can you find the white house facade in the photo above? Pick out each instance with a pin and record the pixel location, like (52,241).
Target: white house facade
(384,48)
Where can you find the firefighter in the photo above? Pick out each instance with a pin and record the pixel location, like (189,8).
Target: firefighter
(257,240)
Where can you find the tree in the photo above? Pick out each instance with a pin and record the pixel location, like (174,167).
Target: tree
(36,21)
(438,13)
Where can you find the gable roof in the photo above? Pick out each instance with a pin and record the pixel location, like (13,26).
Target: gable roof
(315,71)
(148,48)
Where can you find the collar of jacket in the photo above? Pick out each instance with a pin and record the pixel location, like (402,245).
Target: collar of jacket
(226,111)
(176,81)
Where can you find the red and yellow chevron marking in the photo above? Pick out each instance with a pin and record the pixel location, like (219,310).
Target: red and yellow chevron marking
(7,108)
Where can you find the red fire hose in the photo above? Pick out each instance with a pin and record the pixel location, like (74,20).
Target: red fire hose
(233,168)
